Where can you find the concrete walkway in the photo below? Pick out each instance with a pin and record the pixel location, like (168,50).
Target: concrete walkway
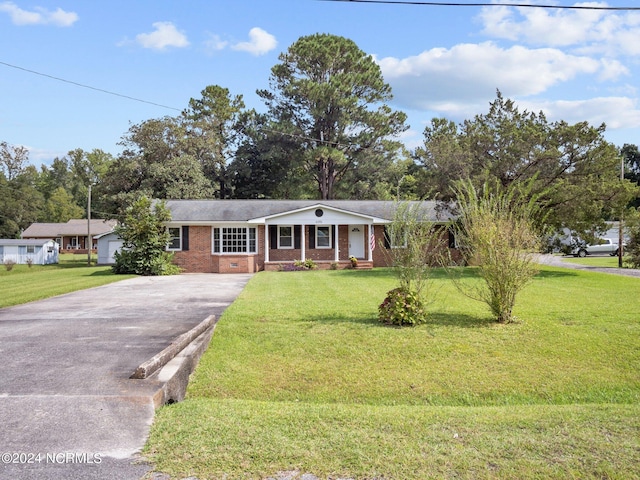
(68,408)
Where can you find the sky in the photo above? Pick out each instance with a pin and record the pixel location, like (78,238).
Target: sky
(440,61)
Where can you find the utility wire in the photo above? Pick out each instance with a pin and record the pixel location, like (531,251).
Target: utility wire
(485,4)
(88,86)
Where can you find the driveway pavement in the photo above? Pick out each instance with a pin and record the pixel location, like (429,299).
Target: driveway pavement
(68,408)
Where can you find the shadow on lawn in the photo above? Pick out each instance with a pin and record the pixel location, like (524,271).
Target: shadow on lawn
(433,319)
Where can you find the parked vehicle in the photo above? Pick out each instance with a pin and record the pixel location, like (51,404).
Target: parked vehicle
(601,247)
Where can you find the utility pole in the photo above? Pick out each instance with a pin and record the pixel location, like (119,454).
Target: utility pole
(620,223)
(89,239)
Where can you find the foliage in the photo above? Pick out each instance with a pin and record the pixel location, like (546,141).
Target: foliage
(306,264)
(20,200)
(632,249)
(416,246)
(8,264)
(402,307)
(575,172)
(497,231)
(144,240)
(332,96)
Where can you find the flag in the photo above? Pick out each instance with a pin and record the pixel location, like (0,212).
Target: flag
(372,240)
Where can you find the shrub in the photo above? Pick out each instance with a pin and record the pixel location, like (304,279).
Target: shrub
(8,264)
(306,264)
(30,262)
(402,307)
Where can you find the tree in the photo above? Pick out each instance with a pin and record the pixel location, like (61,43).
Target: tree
(332,94)
(573,165)
(267,164)
(631,157)
(209,126)
(20,200)
(497,230)
(154,163)
(60,207)
(144,240)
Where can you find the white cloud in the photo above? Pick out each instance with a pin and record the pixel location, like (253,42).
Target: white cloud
(260,42)
(215,43)
(40,16)
(452,79)
(165,35)
(589,31)
(616,112)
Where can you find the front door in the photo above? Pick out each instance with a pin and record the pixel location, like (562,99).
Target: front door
(356,241)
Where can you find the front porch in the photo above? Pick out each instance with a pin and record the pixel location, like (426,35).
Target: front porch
(322,265)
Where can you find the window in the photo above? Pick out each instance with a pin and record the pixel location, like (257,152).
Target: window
(323,237)
(285,236)
(175,238)
(31,249)
(234,240)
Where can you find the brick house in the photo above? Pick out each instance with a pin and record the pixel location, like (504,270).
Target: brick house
(244,236)
(72,236)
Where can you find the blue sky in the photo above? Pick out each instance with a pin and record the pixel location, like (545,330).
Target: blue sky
(574,65)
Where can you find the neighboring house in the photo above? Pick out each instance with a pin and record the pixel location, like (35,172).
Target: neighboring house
(38,252)
(108,244)
(224,236)
(71,236)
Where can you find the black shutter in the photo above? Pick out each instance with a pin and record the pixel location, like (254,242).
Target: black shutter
(387,243)
(296,236)
(273,236)
(312,237)
(185,238)
(333,236)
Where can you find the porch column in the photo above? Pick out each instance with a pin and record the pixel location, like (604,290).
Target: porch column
(370,243)
(303,251)
(266,243)
(336,255)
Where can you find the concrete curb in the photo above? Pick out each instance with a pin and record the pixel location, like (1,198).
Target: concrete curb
(174,376)
(158,361)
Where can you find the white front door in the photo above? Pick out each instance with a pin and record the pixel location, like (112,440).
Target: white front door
(356,241)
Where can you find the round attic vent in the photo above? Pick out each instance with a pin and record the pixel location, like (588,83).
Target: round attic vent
(319,212)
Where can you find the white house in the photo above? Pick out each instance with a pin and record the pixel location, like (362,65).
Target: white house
(38,252)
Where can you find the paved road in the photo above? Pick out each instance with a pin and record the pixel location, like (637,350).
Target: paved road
(66,401)
(559,262)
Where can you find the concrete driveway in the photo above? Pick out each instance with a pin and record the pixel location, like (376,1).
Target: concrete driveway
(68,408)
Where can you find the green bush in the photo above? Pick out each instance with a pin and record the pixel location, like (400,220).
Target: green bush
(306,264)
(402,307)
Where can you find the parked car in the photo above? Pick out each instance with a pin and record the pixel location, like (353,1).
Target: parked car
(602,246)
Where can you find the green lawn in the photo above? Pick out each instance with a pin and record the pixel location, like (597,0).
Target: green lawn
(595,261)
(301,376)
(23,284)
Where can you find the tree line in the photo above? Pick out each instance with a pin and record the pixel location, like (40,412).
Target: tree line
(327,133)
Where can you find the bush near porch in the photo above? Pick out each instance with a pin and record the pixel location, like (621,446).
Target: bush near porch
(300,375)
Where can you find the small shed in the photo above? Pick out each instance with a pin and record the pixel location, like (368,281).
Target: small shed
(23,251)
(108,244)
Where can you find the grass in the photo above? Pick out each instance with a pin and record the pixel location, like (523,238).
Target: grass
(595,261)
(25,284)
(301,376)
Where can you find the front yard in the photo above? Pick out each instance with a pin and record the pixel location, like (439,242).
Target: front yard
(301,376)
(24,284)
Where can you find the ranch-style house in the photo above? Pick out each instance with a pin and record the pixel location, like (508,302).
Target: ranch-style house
(245,236)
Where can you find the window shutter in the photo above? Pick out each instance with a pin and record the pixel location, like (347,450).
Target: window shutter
(185,238)
(273,237)
(296,236)
(387,243)
(312,236)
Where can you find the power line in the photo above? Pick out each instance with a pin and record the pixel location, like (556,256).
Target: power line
(485,4)
(88,86)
